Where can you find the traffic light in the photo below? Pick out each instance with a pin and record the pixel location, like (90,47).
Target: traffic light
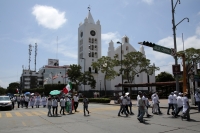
(149,44)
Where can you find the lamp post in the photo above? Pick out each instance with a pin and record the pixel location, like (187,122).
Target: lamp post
(121,62)
(174,33)
(100,88)
(84,72)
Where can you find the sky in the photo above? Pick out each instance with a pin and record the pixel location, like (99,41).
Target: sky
(53,25)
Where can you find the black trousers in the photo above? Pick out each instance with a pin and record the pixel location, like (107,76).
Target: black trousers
(62,109)
(75,105)
(18,104)
(55,110)
(170,105)
(179,109)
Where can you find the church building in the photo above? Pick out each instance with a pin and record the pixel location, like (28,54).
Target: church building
(89,50)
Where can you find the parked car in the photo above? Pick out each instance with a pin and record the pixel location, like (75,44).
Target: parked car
(5,102)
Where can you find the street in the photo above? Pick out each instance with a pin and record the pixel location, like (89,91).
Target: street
(102,119)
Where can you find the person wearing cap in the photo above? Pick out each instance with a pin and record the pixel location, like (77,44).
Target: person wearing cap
(62,105)
(186,107)
(76,98)
(197,99)
(179,103)
(170,102)
(141,108)
(175,103)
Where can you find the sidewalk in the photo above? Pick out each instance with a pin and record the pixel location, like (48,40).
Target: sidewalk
(163,103)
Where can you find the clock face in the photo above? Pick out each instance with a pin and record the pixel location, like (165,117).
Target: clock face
(92,33)
(81,33)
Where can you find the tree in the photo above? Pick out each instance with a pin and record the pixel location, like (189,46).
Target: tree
(2,91)
(164,77)
(135,63)
(12,88)
(88,79)
(75,74)
(106,65)
(77,77)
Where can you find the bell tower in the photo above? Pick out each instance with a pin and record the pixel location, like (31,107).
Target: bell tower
(89,43)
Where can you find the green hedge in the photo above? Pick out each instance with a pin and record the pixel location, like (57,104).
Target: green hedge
(97,100)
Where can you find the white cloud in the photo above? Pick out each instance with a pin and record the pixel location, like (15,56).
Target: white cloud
(49,17)
(148,1)
(198,30)
(107,37)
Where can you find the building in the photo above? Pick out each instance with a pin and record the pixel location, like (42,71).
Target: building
(89,50)
(48,74)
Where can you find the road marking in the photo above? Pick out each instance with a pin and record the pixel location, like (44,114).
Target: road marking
(23,123)
(36,113)
(43,112)
(28,114)
(18,114)
(8,115)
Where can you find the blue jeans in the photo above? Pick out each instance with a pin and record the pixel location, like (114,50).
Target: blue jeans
(142,112)
(49,110)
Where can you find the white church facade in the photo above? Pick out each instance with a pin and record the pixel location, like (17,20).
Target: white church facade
(89,50)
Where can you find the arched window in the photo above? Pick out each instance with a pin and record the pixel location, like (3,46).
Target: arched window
(127,48)
(92,54)
(92,40)
(95,40)
(89,54)
(95,47)
(92,47)
(89,47)
(89,40)
(95,54)
(89,69)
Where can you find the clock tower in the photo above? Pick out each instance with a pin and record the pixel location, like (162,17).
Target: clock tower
(89,44)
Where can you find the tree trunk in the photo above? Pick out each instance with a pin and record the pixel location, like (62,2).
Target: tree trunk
(105,85)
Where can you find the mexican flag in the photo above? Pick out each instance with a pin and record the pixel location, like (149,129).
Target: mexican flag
(67,88)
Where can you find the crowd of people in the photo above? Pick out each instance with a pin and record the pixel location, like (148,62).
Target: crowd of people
(176,101)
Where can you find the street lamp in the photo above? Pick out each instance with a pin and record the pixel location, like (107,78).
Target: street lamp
(174,33)
(121,62)
(100,88)
(84,75)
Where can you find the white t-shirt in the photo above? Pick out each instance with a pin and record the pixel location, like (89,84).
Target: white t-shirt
(179,101)
(138,97)
(54,103)
(170,99)
(76,99)
(124,101)
(145,100)
(197,97)
(155,100)
(185,105)
(175,99)
(62,102)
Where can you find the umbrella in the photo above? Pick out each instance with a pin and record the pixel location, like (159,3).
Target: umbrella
(27,93)
(32,94)
(127,93)
(54,92)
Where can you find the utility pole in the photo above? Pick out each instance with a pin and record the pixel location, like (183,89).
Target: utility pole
(174,34)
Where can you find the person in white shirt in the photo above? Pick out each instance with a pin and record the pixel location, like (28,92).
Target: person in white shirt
(62,105)
(179,103)
(49,105)
(124,104)
(37,101)
(155,105)
(138,97)
(170,103)
(146,102)
(129,104)
(197,99)
(44,101)
(141,108)
(76,98)
(26,101)
(55,106)
(175,103)
(32,101)
(186,107)
(120,102)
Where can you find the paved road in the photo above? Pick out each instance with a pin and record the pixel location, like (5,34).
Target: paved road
(102,119)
